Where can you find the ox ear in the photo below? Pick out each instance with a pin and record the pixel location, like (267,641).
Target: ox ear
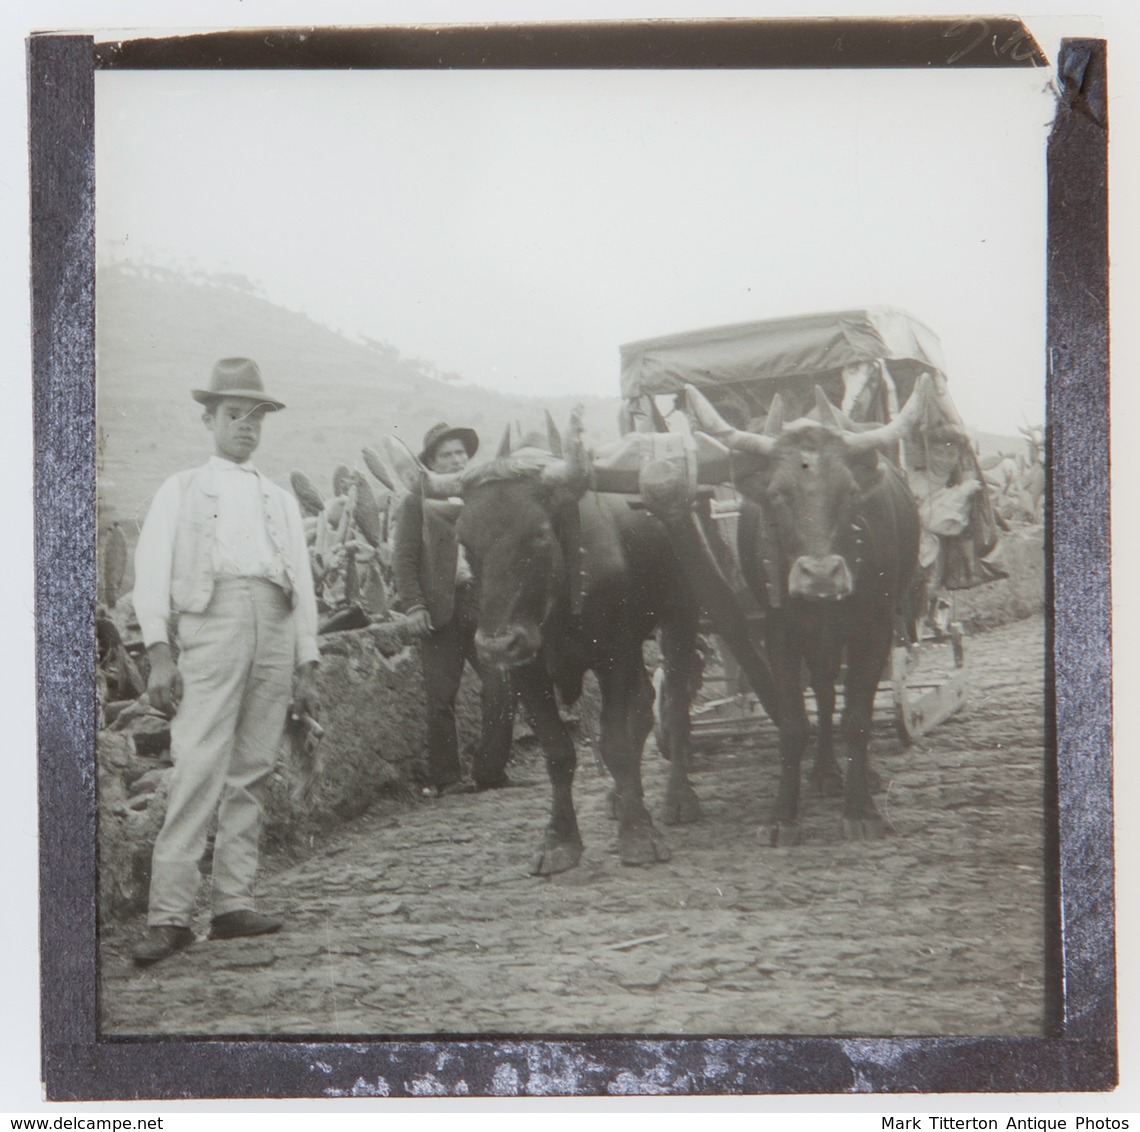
(553,437)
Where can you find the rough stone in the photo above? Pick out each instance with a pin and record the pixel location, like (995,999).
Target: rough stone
(373,716)
(1020,595)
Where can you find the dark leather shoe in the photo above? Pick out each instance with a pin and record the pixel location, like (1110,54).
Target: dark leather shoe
(233,925)
(161,941)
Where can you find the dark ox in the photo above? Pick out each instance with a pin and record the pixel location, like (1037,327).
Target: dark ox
(572,581)
(829,546)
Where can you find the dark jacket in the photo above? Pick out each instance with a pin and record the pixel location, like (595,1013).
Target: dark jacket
(425,557)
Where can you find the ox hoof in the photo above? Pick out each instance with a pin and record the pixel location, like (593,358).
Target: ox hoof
(682,807)
(642,845)
(785,834)
(870,827)
(556,857)
(828,782)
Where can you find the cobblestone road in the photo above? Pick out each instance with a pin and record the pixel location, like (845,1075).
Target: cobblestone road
(420,918)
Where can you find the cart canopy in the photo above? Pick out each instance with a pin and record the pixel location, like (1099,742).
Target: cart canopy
(775,349)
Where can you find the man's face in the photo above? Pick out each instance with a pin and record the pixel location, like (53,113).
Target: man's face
(236,425)
(449,457)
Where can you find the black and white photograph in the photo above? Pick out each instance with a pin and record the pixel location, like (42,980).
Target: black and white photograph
(573,559)
(541,780)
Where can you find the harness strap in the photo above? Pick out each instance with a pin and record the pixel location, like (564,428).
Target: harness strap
(770,560)
(574,556)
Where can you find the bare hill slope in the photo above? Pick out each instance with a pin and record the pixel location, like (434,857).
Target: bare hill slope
(159,331)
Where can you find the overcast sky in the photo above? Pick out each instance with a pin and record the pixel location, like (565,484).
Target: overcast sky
(517,227)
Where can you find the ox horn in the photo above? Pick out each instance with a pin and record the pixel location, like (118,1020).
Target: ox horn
(774,421)
(505,443)
(894,431)
(553,437)
(828,414)
(571,470)
(833,416)
(415,477)
(705,418)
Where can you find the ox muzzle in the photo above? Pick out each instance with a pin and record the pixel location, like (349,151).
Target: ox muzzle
(820,578)
(513,647)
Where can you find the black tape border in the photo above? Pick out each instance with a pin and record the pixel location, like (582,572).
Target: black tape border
(1081,1052)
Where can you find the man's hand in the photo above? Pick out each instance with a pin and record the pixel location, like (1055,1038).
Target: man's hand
(306,698)
(419,623)
(164,684)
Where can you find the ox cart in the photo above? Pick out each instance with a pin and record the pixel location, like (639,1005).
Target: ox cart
(797,432)
(854,369)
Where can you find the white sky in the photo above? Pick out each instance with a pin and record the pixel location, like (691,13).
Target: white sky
(517,227)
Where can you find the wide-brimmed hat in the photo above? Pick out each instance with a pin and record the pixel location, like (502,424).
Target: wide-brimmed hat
(436,435)
(236,377)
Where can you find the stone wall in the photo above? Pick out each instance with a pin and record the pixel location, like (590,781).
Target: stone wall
(1020,595)
(373,715)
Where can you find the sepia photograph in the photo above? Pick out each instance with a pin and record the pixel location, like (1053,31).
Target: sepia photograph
(572,557)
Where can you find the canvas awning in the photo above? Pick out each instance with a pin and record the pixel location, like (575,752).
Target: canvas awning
(781,348)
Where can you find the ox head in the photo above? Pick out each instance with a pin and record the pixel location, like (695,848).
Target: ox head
(518,531)
(811,480)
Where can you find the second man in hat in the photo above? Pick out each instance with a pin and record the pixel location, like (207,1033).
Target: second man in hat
(437,590)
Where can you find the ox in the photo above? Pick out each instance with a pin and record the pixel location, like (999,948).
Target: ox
(572,581)
(830,549)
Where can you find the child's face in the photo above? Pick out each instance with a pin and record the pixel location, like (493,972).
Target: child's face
(236,425)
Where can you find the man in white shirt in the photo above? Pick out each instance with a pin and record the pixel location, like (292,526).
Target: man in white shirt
(222,553)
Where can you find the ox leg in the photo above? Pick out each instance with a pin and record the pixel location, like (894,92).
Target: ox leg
(823,652)
(861,818)
(678,647)
(562,843)
(786,664)
(826,778)
(793,740)
(627,718)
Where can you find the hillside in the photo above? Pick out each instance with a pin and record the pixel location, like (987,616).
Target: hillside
(159,331)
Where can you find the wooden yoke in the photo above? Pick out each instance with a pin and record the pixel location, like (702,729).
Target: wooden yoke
(667,470)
